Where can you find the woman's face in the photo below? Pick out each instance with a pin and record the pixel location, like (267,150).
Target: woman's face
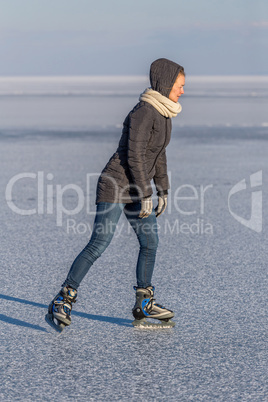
(177,89)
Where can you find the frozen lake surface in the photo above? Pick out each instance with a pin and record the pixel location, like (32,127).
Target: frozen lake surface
(81,103)
(215,279)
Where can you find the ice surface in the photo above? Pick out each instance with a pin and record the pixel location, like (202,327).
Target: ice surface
(216,282)
(86,103)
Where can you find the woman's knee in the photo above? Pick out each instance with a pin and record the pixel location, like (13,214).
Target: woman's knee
(96,247)
(150,241)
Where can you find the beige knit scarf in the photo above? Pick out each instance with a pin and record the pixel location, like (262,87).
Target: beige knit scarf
(164,105)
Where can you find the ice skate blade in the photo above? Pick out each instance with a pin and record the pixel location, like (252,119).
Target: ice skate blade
(143,323)
(58,327)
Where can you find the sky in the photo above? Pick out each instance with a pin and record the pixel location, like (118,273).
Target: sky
(120,37)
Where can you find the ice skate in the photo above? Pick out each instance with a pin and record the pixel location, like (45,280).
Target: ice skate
(59,310)
(146,308)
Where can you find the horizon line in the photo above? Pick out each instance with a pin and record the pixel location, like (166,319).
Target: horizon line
(126,76)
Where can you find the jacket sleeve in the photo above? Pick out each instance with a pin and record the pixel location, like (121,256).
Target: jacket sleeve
(140,128)
(161,177)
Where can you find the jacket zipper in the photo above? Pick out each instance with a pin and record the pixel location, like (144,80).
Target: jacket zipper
(164,146)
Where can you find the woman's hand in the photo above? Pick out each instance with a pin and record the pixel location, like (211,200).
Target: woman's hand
(162,204)
(146,207)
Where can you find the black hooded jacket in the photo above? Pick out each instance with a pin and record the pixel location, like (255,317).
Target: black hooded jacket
(141,153)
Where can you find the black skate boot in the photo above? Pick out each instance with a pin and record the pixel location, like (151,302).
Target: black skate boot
(59,310)
(146,307)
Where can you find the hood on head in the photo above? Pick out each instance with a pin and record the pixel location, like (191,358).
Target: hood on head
(163,74)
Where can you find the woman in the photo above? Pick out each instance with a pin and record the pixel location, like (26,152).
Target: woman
(125,185)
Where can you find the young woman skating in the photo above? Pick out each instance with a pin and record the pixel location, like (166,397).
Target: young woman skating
(125,186)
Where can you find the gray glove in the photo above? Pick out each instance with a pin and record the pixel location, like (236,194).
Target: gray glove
(146,207)
(162,204)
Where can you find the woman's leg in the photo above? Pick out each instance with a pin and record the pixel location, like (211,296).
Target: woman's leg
(106,219)
(146,231)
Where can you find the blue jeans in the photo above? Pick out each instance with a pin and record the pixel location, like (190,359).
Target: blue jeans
(107,217)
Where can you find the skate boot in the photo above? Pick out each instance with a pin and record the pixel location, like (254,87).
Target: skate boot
(146,307)
(59,310)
